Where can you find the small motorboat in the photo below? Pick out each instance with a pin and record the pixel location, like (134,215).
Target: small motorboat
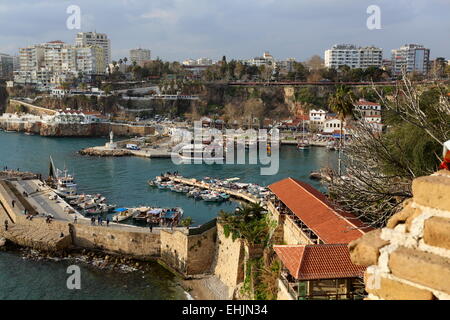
(123,214)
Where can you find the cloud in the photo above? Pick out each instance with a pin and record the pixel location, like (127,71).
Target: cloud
(177,29)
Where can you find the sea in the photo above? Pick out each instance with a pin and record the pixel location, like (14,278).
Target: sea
(123,181)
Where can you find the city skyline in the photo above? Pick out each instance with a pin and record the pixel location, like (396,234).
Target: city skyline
(176,30)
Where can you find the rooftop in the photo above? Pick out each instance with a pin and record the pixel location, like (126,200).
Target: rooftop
(323,261)
(314,209)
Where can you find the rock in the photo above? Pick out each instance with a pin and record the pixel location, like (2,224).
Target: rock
(2,242)
(366,250)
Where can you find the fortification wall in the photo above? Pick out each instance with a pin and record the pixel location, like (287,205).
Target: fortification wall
(410,258)
(229,263)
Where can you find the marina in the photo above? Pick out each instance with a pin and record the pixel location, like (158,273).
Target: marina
(118,178)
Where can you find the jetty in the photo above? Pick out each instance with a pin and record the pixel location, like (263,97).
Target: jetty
(237,194)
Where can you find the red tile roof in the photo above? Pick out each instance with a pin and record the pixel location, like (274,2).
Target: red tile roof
(321,261)
(313,208)
(367,103)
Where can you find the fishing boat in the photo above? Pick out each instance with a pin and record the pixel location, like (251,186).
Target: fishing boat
(63,183)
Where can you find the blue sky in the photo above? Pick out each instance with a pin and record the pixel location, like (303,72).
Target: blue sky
(179,29)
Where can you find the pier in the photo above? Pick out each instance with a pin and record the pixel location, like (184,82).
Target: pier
(203,185)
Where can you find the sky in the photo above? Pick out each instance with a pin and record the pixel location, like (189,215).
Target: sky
(240,29)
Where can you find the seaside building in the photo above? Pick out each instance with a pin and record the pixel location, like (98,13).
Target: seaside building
(6,66)
(317,118)
(315,234)
(411,58)
(140,56)
(322,271)
(353,57)
(84,39)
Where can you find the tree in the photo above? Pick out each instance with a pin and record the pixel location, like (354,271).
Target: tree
(380,167)
(187,222)
(248,222)
(342,102)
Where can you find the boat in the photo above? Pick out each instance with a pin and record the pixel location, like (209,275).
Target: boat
(304,143)
(123,214)
(212,197)
(100,209)
(225,196)
(199,152)
(63,183)
(331,146)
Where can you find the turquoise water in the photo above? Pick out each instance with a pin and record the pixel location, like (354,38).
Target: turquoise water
(124,182)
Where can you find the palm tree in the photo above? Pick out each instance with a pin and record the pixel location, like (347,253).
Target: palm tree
(342,102)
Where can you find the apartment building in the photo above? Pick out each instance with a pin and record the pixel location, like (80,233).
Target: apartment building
(140,56)
(53,63)
(353,57)
(411,58)
(85,39)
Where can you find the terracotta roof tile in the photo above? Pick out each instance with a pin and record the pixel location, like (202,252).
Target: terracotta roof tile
(317,213)
(322,261)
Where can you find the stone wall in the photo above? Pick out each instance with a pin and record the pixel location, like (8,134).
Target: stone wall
(189,254)
(229,262)
(410,258)
(140,245)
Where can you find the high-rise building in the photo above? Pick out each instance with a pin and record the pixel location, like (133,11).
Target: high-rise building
(6,65)
(140,56)
(56,62)
(353,57)
(85,39)
(411,58)
(90,61)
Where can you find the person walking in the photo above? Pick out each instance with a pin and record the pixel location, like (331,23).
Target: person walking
(6,225)
(107,222)
(75,220)
(13,203)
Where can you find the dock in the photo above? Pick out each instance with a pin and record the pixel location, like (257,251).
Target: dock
(204,185)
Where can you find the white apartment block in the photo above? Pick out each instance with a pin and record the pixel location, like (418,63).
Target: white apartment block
(140,55)
(55,62)
(353,57)
(84,39)
(411,58)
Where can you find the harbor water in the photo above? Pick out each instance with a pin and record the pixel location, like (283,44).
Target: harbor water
(123,181)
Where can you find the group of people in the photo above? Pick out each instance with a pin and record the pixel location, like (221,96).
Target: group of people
(99,221)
